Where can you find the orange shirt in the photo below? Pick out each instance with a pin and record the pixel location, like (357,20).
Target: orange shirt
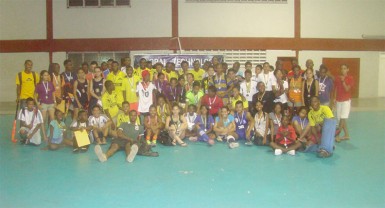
(295,89)
(58,83)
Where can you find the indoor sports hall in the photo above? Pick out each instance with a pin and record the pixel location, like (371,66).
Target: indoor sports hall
(290,32)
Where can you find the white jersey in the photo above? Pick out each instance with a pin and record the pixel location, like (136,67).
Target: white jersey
(283,97)
(81,124)
(268,79)
(145,96)
(97,122)
(248,89)
(190,120)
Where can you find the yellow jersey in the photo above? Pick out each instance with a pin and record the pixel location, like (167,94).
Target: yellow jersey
(27,84)
(170,75)
(129,86)
(125,118)
(240,98)
(117,80)
(112,102)
(317,117)
(198,75)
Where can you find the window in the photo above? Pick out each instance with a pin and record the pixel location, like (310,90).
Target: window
(239,1)
(232,56)
(78,58)
(98,3)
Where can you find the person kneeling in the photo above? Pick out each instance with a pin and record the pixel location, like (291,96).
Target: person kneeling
(129,138)
(286,139)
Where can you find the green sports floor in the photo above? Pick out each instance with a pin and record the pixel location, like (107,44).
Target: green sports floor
(198,175)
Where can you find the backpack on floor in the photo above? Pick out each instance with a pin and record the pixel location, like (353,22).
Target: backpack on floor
(164,138)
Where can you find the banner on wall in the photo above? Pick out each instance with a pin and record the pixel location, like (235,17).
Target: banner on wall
(176,58)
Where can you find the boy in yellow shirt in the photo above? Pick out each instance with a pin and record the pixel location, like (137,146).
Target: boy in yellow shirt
(117,77)
(197,71)
(129,89)
(112,102)
(25,83)
(322,125)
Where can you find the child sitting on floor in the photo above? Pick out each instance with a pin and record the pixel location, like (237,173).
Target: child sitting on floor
(57,132)
(153,125)
(100,124)
(163,108)
(299,123)
(286,139)
(31,121)
(80,125)
(191,115)
(204,124)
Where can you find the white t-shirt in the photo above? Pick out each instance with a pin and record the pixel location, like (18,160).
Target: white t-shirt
(260,124)
(145,96)
(82,124)
(98,122)
(27,117)
(268,79)
(248,92)
(255,78)
(190,120)
(283,97)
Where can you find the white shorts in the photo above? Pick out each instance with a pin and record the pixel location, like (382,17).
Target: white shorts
(36,138)
(343,109)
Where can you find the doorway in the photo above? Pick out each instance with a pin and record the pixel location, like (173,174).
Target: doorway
(353,64)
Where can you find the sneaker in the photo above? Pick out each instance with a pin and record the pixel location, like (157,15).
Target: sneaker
(291,152)
(148,142)
(193,139)
(75,150)
(277,152)
(153,144)
(219,139)
(249,143)
(133,152)
(99,152)
(233,145)
(230,139)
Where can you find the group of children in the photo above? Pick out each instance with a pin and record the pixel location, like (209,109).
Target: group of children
(286,110)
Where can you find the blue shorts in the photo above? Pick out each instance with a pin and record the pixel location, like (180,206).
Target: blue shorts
(57,140)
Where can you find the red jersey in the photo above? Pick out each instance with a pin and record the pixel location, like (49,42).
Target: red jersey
(341,93)
(290,138)
(213,104)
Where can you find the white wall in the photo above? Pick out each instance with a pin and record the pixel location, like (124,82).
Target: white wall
(369,67)
(22,19)
(59,57)
(381,75)
(271,55)
(236,20)
(145,18)
(342,18)
(13,63)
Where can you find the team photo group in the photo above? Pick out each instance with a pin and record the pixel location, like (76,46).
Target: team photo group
(134,109)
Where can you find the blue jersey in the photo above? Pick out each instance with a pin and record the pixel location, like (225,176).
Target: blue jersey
(241,124)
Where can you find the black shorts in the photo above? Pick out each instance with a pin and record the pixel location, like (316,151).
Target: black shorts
(121,143)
